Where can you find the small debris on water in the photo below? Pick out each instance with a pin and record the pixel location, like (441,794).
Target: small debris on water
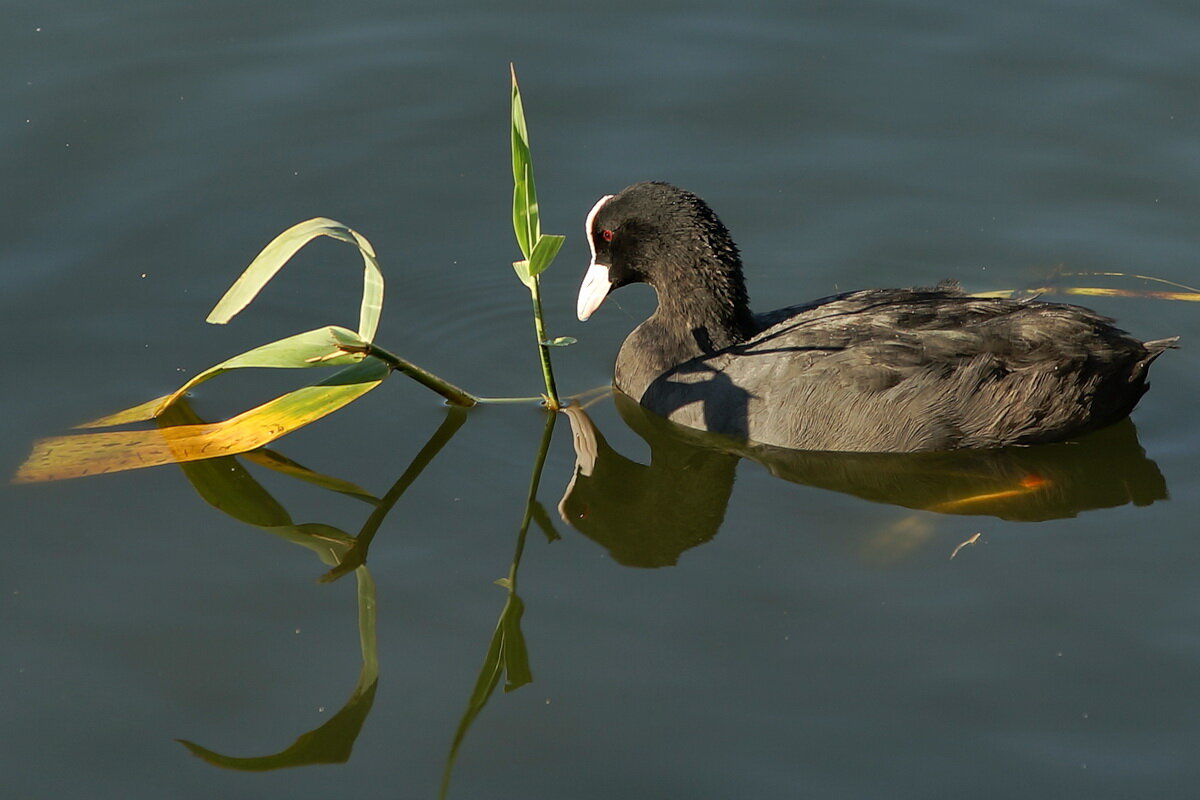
(961,545)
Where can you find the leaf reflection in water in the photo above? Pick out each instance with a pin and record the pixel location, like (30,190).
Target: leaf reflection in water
(227,485)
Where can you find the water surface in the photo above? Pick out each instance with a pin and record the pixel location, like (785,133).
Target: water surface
(799,639)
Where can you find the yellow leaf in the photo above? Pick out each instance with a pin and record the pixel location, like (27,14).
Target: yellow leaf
(62,457)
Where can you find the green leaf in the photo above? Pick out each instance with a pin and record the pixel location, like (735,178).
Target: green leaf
(544,253)
(324,347)
(520,134)
(526,224)
(526,221)
(281,249)
(560,341)
(539,250)
(523,273)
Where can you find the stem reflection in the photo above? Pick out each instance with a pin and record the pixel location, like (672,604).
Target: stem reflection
(507,653)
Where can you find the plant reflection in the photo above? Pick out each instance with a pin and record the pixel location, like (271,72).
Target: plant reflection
(507,653)
(227,485)
(356,555)
(332,742)
(648,515)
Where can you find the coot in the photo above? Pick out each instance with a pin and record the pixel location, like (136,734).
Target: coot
(880,370)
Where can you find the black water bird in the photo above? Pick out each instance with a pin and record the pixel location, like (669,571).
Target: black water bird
(879,370)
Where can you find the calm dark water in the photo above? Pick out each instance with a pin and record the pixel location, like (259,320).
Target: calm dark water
(809,639)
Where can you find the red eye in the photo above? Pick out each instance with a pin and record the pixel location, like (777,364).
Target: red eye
(606,235)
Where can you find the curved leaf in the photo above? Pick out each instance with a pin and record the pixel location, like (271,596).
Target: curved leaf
(281,249)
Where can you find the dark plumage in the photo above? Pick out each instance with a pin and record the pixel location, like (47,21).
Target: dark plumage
(879,370)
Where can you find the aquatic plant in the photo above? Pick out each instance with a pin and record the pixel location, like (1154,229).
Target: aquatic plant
(364,363)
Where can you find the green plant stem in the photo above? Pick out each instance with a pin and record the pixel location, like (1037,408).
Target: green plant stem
(453,394)
(513,400)
(535,292)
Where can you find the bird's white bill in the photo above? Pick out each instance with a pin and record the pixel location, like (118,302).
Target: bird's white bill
(593,290)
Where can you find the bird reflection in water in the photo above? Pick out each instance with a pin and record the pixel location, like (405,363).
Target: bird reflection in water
(648,515)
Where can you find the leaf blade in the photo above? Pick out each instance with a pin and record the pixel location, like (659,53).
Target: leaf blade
(526,222)
(80,455)
(281,249)
(544,253)
(308,349)
(523,273)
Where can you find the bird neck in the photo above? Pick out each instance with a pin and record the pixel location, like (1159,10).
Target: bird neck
(710,310)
